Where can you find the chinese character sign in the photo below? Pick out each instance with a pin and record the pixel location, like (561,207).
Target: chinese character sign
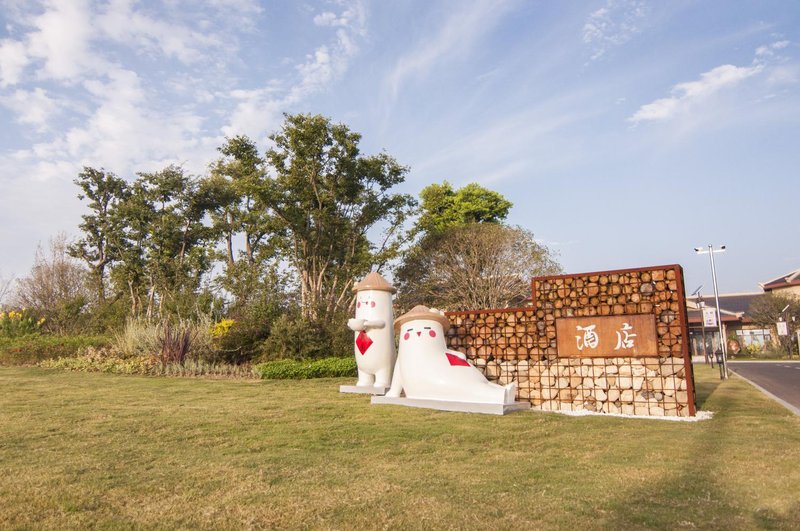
(589,338)
(611,336)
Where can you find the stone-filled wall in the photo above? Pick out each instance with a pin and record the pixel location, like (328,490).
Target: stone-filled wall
(521,344)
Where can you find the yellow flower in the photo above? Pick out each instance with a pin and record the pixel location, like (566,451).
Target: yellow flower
(221,329)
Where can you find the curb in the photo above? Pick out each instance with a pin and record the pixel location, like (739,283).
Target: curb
(781,401)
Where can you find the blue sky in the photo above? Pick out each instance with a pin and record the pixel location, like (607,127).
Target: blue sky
(625,132)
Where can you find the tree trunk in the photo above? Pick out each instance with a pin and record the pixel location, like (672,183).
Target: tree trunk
(101,285)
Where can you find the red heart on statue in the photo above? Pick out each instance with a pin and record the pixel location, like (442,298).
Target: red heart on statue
(363,342)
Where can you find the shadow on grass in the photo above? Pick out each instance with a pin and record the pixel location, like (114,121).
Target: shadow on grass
(703,391)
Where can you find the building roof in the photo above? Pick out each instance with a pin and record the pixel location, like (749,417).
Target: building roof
(791,278)
(734,307)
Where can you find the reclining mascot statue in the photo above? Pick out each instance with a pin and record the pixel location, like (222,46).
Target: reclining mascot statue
(426,369)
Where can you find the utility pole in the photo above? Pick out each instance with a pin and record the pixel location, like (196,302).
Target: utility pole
(710,250)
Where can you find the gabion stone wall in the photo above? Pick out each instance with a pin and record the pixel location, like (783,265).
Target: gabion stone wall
(522,344)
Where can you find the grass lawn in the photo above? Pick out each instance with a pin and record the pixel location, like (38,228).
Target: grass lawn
(79,450)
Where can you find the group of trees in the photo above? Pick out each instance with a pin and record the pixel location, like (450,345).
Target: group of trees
(275,241)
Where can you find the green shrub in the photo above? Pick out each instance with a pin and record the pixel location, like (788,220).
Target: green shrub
(137,338)
(772,352)
(301,370)
(293,337)
(29,350)
(143,338)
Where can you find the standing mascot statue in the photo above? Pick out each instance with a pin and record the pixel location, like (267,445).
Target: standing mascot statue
(373,345)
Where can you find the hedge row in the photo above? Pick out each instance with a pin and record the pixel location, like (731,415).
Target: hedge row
(301,370)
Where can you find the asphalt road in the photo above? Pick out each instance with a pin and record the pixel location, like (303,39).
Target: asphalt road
(780,378)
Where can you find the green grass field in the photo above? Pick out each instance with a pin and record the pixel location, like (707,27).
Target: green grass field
(96,450)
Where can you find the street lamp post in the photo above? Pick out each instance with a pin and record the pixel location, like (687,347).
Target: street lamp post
(702,305)
(710,250)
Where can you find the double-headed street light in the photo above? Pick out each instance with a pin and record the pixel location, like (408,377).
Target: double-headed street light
(710,251)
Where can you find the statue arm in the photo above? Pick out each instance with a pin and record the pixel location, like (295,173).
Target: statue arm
(374,324)
(356,325)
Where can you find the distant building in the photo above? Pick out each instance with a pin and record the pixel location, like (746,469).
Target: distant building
(788,284)
(736,319)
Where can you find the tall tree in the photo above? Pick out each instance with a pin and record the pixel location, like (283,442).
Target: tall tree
(234,192)
(325,197)
(476,265)
(442,207)
(55,288)
(447,219)
(167,251)
(236,185)
(102,241)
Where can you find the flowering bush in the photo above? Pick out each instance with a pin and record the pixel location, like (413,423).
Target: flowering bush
(222,328)
(753,349)
(17,324)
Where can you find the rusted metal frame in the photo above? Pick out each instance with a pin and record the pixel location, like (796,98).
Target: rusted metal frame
(492,310)
(609,272)
(687,359)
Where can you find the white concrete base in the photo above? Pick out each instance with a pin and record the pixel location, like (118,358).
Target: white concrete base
(701,415)
(363,389)
(443,405)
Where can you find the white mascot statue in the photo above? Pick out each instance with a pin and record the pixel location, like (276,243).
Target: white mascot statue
(374,336)
(431,375)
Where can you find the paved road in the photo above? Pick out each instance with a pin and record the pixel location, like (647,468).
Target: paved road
(781,378)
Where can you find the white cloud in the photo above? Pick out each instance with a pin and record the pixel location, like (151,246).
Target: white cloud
(613,25)
(685,95)
(259,110)
(459,33)
(256,111)
(13,58)
(120,22)
(61,40)
(353,17)
(240,14)
(328,19)
(768,50)
(130,87)
(33,107)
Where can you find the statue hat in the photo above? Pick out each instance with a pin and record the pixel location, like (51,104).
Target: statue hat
(374,281)
(422,312)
